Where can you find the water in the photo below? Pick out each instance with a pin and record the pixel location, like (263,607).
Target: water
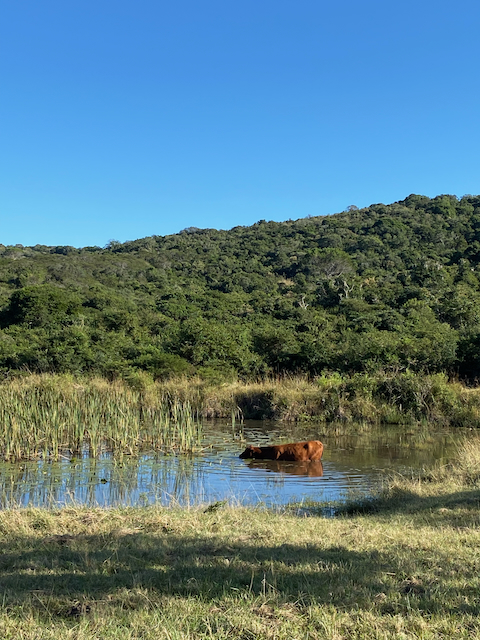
(355,460)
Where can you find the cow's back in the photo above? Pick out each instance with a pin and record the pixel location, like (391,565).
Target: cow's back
(292,452)
(300,451)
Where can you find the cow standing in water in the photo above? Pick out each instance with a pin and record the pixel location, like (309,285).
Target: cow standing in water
(293,452)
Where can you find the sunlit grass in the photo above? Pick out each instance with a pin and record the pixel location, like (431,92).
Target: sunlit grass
(400,398)
(44,416)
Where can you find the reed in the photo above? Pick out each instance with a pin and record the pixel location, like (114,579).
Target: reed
(47,417)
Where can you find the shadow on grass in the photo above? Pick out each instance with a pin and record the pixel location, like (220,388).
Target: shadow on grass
(441,505)
(55,573)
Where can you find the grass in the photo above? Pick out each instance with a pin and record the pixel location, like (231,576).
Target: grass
(43,415)
(395,398)
(409,568)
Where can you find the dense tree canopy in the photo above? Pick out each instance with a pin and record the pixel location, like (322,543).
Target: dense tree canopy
(385,287)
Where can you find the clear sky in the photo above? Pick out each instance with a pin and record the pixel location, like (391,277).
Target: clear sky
(122,119)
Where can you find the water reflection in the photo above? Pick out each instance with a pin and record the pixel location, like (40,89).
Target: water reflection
(103,482)
(312,469)
(354,459)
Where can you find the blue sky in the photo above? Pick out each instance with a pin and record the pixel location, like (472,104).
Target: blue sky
(120,120)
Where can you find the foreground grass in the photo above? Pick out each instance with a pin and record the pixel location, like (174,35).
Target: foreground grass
(409,568)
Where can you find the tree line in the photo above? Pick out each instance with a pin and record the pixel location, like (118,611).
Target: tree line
(387,287)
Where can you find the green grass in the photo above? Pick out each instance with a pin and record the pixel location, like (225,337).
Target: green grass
(43,416)
(409,568)
(46,415)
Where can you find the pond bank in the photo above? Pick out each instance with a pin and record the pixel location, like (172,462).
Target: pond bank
(406,569)
(394,398)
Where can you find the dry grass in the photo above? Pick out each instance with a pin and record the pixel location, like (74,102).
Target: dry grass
(401,397)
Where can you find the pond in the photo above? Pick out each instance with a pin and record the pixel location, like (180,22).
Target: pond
(355,459)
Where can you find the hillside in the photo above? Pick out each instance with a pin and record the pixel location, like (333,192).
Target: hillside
(389,287)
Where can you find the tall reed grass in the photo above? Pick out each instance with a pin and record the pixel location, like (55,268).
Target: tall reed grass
(47,416)
(43,415)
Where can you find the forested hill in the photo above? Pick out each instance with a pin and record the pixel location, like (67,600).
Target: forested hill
(389,287)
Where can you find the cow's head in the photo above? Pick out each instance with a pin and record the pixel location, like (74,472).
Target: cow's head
(250,452)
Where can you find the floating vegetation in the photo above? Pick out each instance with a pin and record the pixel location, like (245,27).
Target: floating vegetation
(47,420)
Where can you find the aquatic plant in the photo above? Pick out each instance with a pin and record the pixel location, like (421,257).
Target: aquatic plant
(45,415)
(41,419)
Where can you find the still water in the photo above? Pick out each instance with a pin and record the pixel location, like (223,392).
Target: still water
(355,460)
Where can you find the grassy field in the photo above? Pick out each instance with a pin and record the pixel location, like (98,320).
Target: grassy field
(405,564)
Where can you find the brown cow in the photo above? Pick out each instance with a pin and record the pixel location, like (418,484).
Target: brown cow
(295,451)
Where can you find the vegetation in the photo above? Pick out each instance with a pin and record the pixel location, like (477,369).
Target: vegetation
(406,569)
(389,288)
(47,415)
(370,314)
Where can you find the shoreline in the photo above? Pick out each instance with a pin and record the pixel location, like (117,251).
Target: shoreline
(391,398)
